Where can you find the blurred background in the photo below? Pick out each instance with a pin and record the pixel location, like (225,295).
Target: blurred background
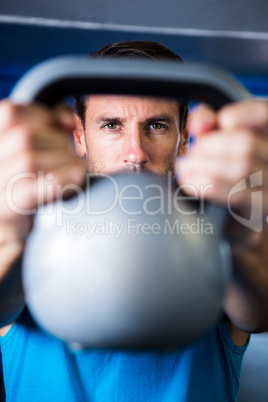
(232,34)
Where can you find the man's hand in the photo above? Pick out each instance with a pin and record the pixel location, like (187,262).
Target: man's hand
(35,149)
(230,146)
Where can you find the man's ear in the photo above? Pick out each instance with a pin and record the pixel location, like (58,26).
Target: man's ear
(185,136)
(79,137)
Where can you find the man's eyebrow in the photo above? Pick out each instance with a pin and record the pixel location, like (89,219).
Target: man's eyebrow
(108,119)
(165,118)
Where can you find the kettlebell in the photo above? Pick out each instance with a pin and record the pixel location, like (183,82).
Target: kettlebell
(129,262)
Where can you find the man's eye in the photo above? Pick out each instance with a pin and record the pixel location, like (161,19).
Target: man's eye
(157,126)
(111,126)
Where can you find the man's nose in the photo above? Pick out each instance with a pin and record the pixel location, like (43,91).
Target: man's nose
(135,150)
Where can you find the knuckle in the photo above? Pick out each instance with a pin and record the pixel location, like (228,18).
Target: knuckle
(226,115)
(28,163)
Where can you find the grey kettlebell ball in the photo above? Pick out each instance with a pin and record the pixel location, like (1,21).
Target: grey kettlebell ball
(126,264)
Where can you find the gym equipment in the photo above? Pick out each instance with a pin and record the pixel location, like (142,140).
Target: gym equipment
(51,80)
(129,263)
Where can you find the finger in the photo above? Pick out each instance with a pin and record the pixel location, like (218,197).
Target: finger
(35,163)
(16,114)
(205,187)
(22,139)
(250,113)
(12,233)
(65,115)
(30,165)
(35,116)
(230,172)
(228,157)
(24,193)
(240,143)
(212,189)
(204,120)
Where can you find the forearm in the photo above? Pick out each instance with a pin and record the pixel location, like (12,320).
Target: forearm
(33,140)
(11,293)
(232,146)
(246,309)
(246,302)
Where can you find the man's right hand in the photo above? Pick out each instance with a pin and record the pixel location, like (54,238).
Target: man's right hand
(35,149)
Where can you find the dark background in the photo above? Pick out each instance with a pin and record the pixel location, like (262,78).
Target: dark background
(232,33)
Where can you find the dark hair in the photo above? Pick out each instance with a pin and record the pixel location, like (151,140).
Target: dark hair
(134,49)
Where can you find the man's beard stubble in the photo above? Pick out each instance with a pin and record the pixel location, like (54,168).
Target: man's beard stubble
(169,169)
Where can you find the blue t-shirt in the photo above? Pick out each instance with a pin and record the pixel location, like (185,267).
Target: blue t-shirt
(1,369)
(38,367)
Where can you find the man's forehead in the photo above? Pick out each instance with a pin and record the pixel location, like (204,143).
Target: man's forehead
(145,103)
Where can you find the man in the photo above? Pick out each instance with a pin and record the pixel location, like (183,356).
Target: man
(118,133)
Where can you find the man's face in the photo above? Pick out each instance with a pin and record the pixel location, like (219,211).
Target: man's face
(127,133)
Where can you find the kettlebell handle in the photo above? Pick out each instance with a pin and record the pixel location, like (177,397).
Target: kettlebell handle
(51,80)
